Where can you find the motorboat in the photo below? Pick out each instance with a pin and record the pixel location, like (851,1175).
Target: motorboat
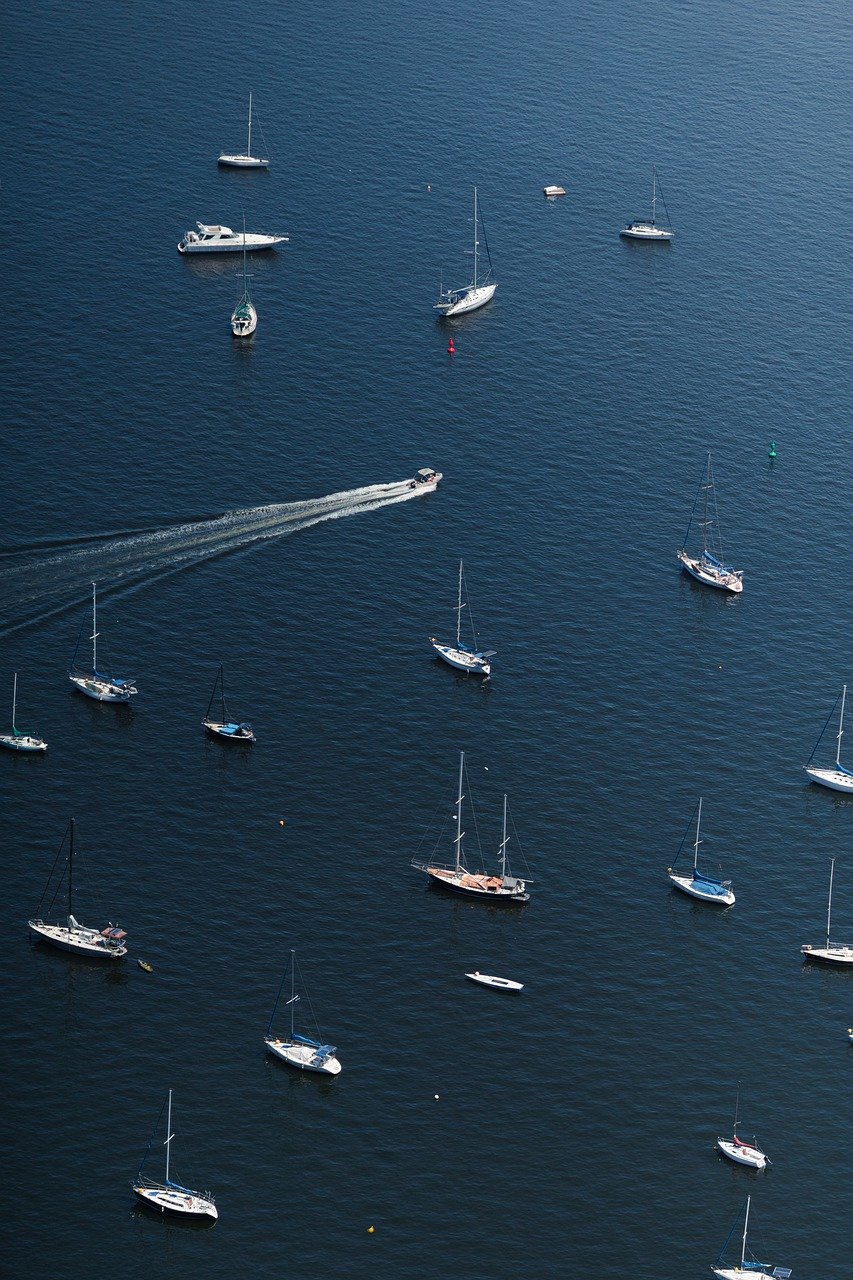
(426,478)
(461,655)
(100,944)
(297,1050)
(707,565)
(489,980)
(168,1196)
(247,161)
(19,739)
(648,230)
(829,954)
(96,684)
(836,777)
(470,297)
(220,239)
(551,192)
(694,882)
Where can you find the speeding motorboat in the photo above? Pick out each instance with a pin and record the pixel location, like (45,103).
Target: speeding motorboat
(489,980)
(220,239)
(425,478)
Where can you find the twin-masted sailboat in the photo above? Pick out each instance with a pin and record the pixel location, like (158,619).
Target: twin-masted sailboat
(836,777)
(463,656)
(19,739)
(504,888)
(695,882)
(168,1196)
(707,565)
(95,684)
(470,297)
(100,944)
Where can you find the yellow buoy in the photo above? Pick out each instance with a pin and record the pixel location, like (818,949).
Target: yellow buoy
(370,1231)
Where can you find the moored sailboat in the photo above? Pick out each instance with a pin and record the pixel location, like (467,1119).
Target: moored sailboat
(101,944)
(463,656)
(504,888)
(829,954)
(470,297)
(168,1196)
(749,1268)
(247,161)
(740,1151)
(649,230)
(244,317)
(694,882)
(708,566)
(298,1050)
(19,739)
(224,727)
(97,685)
(837,778)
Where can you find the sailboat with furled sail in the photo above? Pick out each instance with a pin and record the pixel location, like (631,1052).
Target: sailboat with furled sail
(97,685)
(19,739)
(463,656)
(225,727)
(470,297)
(247,161)
(738,1149)
(244,317)
(836,777)
(168,1196)
(707,566)
(504,888)
(298,1050)
(749,1268)
(696,883)
(101,944)
(829,954)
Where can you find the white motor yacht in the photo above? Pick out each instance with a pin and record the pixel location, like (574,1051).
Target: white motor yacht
(219,239)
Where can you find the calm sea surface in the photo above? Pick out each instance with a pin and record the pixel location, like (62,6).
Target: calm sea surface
(573,1132)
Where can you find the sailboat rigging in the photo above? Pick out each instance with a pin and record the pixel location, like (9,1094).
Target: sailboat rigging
(169,1196)
(749,1268)
(649,230)
(102,688)
(298,1050)
(454,302)
(695,882)
(107,943)
(225,727)
(837,778)
(708,566)
(247,161)
(504,888)
(829,954)
(19,739)
(462,656)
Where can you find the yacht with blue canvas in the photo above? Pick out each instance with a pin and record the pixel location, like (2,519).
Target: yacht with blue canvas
(693,881)
(463,656)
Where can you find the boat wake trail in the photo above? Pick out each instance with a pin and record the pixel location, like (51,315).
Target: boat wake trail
(37,583)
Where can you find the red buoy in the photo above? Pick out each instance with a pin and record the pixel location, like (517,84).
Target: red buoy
(451,350)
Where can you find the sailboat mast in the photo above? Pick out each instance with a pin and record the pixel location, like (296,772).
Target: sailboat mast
(654,192)
(292,989)
(249,143)
(94,630)
(840,726)
(459,608)
(475,237)
(696,841)
(70,865)
(829,904)
(745,1224)
(705,512)
(503,844)
(222,689)
(168,1143)
(14,699)
(459,815)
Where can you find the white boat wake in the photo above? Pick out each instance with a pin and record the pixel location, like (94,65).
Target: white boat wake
(37,582)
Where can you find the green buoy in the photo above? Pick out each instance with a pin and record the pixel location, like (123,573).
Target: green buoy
(772,453)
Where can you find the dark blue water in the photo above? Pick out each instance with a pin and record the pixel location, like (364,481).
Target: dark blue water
(574,1129)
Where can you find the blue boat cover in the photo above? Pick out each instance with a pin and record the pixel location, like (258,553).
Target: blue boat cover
(781,1273)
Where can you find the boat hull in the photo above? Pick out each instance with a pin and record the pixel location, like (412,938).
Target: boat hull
(26,743)
(497,984)
(695,889)
(243,162)
(739,1154)
(739,1273)
(180,1204)
(723,582)
(101,690)
(645,231)
(218,730)
(302,1057)
(835,779)
(461,660)
(244,324)
(841,956)
(81,942)
(467,885)
(472,301)
(253,244)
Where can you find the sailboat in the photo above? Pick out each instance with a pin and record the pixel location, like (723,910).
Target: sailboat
(248,161)
(708,565)
(454,302)
(168,1196)
(107,943)
(648,230)
(19,739)
(696,883)
(101,687)
(298,1050)
(225,728)
(829,954)
(504,888)
(748,1268)
(748,1153)
(463,656)
(839,778)
(244,317)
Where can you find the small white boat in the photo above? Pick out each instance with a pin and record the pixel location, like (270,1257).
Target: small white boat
(489,980)
(462,656)
(102,688)
(748,1268)
(708,566)
(100,944)
(297,1050)
(455,302)
(850,1034)
(739,1151)
(426,478)
(221,239)
(168,1196)
(839,778)
(19,739)
(247,161)
(648,230)
(225,727)
(706,888)
(244,317)
(551,192)
(829,954)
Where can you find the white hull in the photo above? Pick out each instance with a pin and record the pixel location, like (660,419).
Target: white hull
(835,779)
(243,162)
(742,1154)
(829,955)
(694,888)
(221,731)
(102,690)
(302,1056)
(22,743)
(81,941)
(645,231)
(471,301)
(232,243)
(184,1204)
(243,326)
(739,1273)
(461,660)
(500,984)
(551,192)
(704,574)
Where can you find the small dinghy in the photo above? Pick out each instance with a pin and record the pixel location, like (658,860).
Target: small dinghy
(488,980)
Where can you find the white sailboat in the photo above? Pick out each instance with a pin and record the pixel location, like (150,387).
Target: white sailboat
(247,161)
(748,1268)
(298,1050)
(739,1151)
(649,230)
(225,727)
(19,739)
(708,566)
(829,954)
(499,984)
(694,882)
(169,1196)
(504,888)
(101,944)
(462,656)
(102,688)
(244,317)
(455,302)
(839,778)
